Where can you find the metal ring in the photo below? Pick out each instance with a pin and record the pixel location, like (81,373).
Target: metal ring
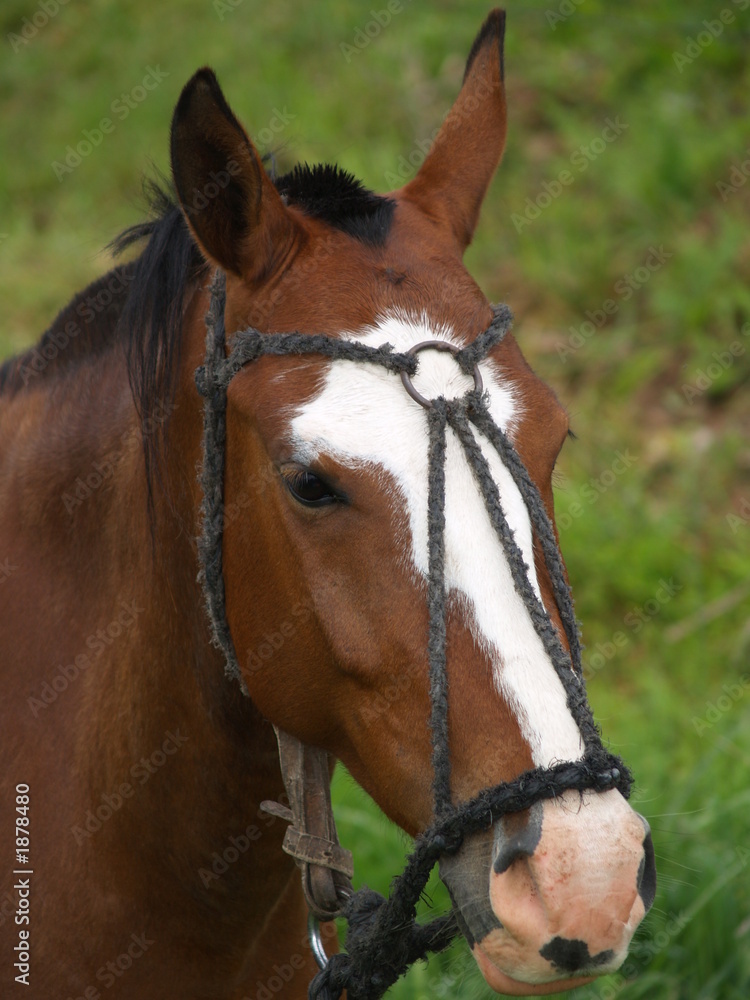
(436,345)
(316,941)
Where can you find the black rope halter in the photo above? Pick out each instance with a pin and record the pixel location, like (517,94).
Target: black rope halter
(384,937)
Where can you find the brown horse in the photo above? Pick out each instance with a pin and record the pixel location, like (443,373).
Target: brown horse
(134,767)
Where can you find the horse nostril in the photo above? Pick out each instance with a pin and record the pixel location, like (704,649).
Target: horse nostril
(520,843)
(647,870)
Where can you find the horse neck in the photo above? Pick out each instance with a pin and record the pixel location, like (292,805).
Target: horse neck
(167,683)
(153,711)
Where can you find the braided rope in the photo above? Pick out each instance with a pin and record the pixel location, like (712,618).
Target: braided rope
(436,640)
(481,418)
(568,670)
(210,555)
(384,937)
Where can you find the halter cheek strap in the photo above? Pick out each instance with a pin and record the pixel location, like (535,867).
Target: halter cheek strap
(383,937)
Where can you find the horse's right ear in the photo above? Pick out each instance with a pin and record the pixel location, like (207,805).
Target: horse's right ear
(229,202)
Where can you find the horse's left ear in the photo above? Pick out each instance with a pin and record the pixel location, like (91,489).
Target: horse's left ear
(453,180)
(230,203)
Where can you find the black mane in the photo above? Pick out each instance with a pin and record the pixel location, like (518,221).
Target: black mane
(85,327)
(135,307)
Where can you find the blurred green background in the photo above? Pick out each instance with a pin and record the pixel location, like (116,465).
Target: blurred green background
(618,230)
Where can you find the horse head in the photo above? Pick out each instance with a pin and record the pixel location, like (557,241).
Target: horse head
(325,570)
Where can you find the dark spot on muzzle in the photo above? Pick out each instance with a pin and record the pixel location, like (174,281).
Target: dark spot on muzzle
(571,955)
(647,869)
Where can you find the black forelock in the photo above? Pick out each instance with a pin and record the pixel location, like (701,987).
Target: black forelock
(335,196)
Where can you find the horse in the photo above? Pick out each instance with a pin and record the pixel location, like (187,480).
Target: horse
(135,768)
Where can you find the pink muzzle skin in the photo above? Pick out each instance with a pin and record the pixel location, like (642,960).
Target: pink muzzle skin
(569,882)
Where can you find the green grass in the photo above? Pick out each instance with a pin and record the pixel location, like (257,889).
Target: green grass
(639,382)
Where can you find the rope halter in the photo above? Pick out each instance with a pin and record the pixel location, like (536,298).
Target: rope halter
(384,937)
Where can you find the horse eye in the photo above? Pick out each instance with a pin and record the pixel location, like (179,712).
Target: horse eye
(309,489)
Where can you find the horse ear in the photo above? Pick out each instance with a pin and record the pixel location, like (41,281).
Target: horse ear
(229,202)
(453,180)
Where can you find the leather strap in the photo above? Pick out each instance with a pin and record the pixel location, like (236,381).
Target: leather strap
(327,868)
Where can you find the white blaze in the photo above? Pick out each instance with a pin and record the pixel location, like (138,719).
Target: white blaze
(363,415)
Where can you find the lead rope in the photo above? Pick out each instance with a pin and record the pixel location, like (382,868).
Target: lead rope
(384,937)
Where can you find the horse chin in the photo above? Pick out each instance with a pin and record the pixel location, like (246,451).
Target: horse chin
(502,983)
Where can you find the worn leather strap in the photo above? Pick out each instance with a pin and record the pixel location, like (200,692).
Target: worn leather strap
(327,868)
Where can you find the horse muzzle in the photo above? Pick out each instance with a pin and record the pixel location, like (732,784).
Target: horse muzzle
(551,897)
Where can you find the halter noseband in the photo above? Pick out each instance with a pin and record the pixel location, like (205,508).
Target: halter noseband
(383,937)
